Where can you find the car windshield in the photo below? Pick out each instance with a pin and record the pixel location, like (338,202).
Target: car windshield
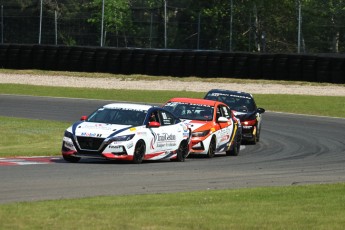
(235,102)
(118,116)
(190,111)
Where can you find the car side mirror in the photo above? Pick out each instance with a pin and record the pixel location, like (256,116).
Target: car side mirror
(154,124)
(83,118)
(222,120)
(261,110)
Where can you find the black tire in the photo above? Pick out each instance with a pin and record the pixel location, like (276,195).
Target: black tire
(258,132)
(188,61)
(182,151)
(139,152)
(71,159)
(236,148)
(151,63)
(256,138)
(212,148)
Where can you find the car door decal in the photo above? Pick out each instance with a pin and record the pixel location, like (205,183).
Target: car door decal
(153,140)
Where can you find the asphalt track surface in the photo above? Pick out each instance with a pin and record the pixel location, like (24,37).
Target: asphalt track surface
(293,150)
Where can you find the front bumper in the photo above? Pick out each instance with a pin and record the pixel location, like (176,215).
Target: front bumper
(110,152)
(200,145)
(248,133)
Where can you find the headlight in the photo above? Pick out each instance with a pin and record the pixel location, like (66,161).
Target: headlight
(68,134)
(201,134)
(123,138)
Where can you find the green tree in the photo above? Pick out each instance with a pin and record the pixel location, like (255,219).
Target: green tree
(324,25)
(117,16)
(264,26)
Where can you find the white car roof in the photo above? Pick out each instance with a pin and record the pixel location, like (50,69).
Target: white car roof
(128,106)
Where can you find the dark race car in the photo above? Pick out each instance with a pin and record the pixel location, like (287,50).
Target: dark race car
(244,107)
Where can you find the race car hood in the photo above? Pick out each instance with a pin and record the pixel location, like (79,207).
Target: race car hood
(91,129)
(196,125)
(245,116)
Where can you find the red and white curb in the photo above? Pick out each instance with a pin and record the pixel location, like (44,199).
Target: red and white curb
(28,160)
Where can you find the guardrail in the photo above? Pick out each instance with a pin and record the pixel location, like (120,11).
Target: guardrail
(311,68)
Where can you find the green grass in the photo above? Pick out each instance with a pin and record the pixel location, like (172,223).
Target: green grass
(26,137)
(300,207)
(313,105)
(332,106)
(158,96)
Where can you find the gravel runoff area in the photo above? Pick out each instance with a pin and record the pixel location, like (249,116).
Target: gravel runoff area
(176,85)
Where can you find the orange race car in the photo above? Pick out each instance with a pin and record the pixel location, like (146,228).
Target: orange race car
(214,127)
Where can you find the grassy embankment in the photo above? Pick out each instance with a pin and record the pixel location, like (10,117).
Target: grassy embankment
(294,207)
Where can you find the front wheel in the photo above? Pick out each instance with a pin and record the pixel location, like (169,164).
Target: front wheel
(211,148)
(236,148)
(182,151)
(139,152)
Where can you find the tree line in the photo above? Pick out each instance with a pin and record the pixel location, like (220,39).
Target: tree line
(268,26)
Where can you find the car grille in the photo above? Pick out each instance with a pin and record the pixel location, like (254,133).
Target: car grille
(90,143)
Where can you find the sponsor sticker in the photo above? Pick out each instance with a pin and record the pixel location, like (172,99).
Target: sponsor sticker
(229,95)
(142,133)
(97,126)
(86,134)
(116,149)
(130,145)
(166,137)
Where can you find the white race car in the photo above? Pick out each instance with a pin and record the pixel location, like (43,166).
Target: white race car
(124,131)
